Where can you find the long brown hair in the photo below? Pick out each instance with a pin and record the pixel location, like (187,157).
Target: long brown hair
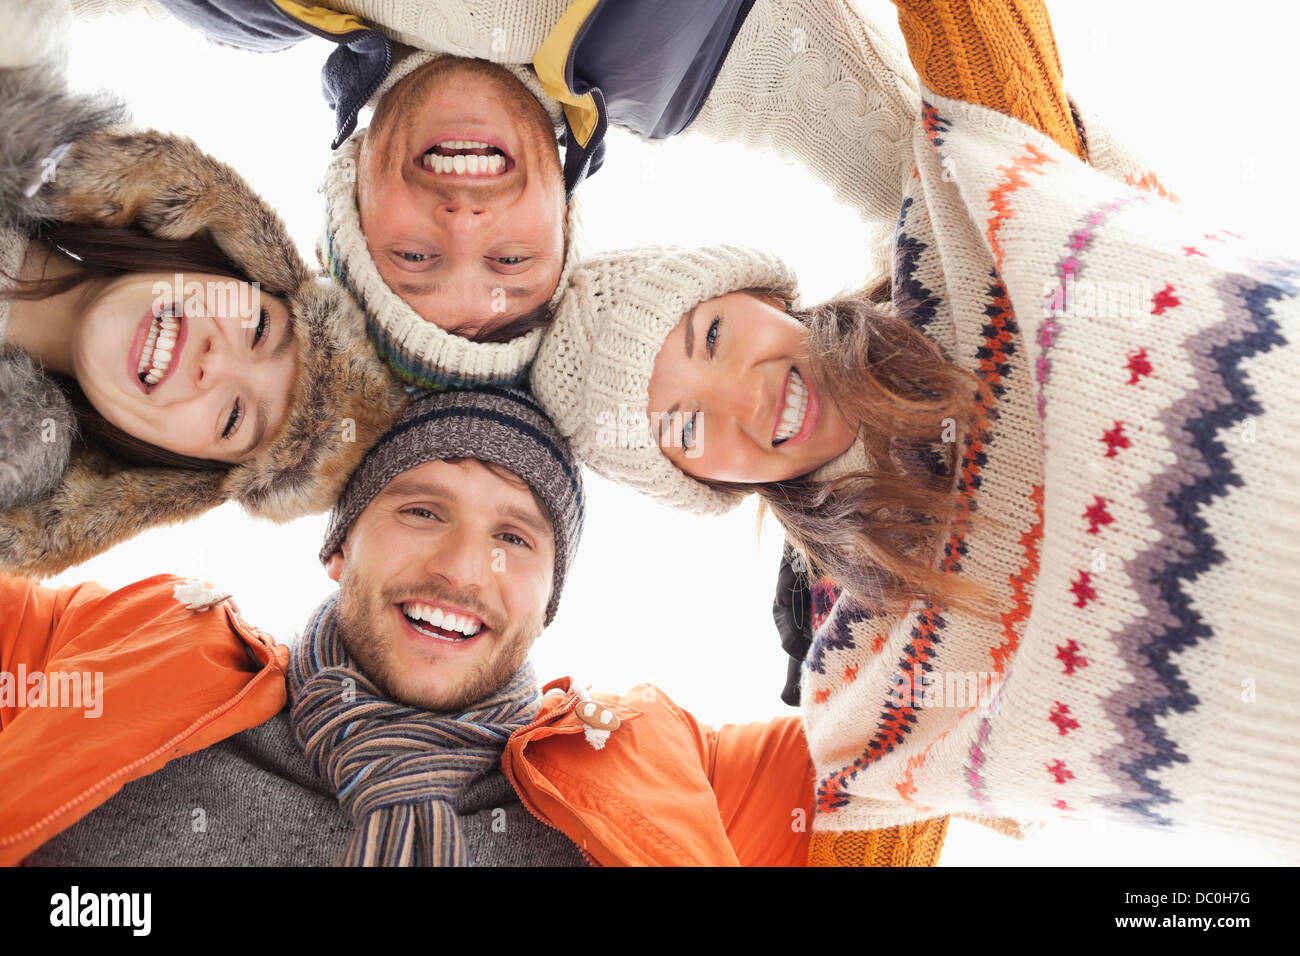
(101,254)
(877,533)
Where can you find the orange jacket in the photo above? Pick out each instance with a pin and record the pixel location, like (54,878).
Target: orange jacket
(665,789)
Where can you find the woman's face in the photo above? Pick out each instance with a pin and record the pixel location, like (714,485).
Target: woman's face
(197,364)
(733,396)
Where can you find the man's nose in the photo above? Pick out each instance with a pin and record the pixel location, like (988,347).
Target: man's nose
(460,214)
(462,558)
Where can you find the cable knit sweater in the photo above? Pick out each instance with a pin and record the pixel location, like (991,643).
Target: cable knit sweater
(1138,462)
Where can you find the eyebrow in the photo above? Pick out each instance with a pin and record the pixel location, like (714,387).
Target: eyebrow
(532,522)
(286,341)
(433,287)
(402,487)
(690,331)
(258,431)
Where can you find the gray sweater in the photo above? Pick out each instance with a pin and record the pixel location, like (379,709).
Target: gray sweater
(253,800)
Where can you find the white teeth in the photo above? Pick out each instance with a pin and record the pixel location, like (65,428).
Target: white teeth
(437,617)
(156,356)
(794,409)
(465,165)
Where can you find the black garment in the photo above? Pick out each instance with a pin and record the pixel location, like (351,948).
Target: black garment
(792,611)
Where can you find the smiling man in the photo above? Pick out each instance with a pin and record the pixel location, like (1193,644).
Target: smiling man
(405,726)
(452,219)
(462,199)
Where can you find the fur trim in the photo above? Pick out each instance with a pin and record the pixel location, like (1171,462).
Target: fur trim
(36,430)
(169,187)
(342,400)
(97,504)
(38,118)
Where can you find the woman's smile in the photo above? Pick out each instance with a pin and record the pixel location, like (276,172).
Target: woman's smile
(157,349)
(733,397)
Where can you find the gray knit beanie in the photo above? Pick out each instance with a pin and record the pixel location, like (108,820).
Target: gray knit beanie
(592,372)
(419,351)
(498,426)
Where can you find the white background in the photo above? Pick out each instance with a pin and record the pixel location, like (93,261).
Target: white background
(1203,90)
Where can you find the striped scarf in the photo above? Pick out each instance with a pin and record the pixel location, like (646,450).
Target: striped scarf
(397,770)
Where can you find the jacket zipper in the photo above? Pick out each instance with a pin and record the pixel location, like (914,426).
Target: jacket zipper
(570,701)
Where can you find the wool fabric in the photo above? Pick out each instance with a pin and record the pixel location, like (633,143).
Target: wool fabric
(594,366)
(397,770)
(497,426)
(1135,472)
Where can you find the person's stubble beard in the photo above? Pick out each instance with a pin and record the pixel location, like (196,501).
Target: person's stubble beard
(361,607)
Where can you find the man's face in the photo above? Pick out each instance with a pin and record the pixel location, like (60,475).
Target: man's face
(456,538)
(461,196)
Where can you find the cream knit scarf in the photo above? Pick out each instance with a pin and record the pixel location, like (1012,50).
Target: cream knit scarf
(397,770)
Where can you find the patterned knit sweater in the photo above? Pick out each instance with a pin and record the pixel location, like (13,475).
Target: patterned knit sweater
(1136,473)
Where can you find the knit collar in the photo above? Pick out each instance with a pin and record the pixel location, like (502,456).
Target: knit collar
(854,459)
(397,770)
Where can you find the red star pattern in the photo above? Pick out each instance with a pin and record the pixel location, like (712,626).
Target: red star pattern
(1057,770)
(1062,805)
(1115,439)
(1138,365)
(821,696)
(1164,299)
(1061,717)
(1070,655)
(1083,589)
(1097,514)
(851,673)
(1193,251)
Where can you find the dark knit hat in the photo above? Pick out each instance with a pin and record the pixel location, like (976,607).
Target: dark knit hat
(493,425)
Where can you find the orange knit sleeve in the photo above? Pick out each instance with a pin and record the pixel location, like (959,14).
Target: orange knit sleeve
(916,844)
(1000,54)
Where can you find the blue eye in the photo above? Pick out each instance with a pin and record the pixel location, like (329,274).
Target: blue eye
(688,432)
(414,256)
(711,337)
(510,260)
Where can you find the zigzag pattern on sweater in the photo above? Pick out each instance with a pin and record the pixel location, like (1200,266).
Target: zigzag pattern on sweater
(1187,549)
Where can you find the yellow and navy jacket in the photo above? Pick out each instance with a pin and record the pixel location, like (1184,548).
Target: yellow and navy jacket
(646,65)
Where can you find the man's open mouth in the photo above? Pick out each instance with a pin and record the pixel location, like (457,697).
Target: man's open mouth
(467,158)
(433,621)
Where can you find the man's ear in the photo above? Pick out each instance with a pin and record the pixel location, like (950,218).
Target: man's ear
(334,566)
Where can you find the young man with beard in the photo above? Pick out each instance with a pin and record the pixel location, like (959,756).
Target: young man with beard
(412,730)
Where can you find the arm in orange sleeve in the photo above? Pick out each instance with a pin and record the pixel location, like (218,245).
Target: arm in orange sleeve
(1000,54)
(762,776)
(29,619)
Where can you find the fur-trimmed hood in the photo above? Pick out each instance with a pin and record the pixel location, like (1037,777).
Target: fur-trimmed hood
(343,398)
